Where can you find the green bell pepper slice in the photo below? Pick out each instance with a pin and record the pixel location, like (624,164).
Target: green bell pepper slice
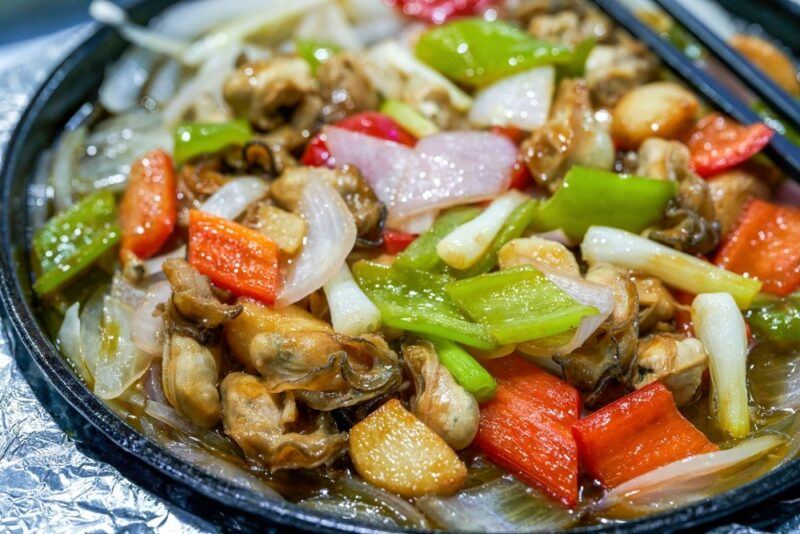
(518,304)
(421,253)
(590,197)
(416,301)
(316,52)
(195,138)
(777,320)
(465,369)
(478,52)
(73,240)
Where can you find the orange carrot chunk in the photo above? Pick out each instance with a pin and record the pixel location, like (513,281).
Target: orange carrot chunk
(235,257)
(765,245)
(149,207)
(525,427)
(636,434)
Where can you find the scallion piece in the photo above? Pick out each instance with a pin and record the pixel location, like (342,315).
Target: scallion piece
(409,118)
(421,254)
(465,369)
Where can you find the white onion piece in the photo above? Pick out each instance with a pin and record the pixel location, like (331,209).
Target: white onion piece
(502,505)
(153,385)
(64,162)
(417,224)
(268,20)
(467,243)
(522,100)
(352,313)
(329,24)
(154,265)
(125,78)
(110,13)
(169,416)
(382,163)
(719,324)
(676,269)
(688,479)
(190,19)
(147,324)
(329,239)
(588,294)
(395,56)
(69,341)
(115,371)
(164,82)
(233,198)
(454,168)
(91,333)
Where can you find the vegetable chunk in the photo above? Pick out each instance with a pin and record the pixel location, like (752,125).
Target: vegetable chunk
(396,451)
(636,434)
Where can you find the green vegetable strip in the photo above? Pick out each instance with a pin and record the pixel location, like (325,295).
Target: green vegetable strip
(409,118)
(316,52)
(590,197)
(421,254)
(465,369)
(518,304)
(73,240)
(513,228)
(778,321)
(576,66)
(416,301)
(195,138)
(477,52)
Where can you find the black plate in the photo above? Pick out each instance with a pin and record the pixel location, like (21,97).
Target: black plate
(72,84)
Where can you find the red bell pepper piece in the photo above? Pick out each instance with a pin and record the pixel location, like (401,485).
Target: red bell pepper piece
(683,318)
(395,241)
(525,427)
(636,434)
(717,143)
(765,245)
(149,207)
(234,257)
(514,134)
(521,177)
(368,123)
(440,11)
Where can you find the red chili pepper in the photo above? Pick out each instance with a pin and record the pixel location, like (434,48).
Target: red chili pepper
(233,256)
(717,143)
(149,207)
(440,11)
(368,123)
(395,241)
(521,178)
(683,318)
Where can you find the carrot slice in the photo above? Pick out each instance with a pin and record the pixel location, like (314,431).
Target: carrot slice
(235,257)
(765,245)
(636,434)
(525,427)
(717,143)
(149,207)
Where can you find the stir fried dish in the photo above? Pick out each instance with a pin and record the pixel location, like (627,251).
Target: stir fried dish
(440,264)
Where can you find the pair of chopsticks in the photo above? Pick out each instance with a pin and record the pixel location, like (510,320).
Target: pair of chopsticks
(783,152)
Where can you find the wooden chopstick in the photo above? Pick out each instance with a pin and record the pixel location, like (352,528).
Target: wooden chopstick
(761,84)
(782,152)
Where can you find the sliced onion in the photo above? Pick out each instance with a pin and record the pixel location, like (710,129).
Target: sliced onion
(417,224)
(114,145)
(125,78)
(443,170)
(147,323)
(502,505)
(329,239)
(719,324)
(153,266)
(522,100)
(91,333)
(109,13)
(190,19)
(588,294)
(164,82)
(118,362)
(167,415)
(233,198)
(685,480)
(329,24)
(69,341)
(153,385)
(382,163)
(454,168)
(64,162)
(352,313)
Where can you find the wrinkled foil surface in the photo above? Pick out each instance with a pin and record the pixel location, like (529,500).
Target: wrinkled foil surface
(52,480)
(46,482)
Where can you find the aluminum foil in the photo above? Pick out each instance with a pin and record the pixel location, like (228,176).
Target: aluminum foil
(47,483)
